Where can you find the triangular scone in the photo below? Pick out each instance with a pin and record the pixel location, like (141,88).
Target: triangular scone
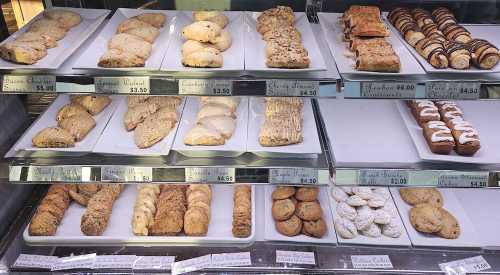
(147,33)
(225,125)
(93,103)
(202,31)
(23,52)
(53,137)
(114,58)
(166,113)
(137,114)
(151,131)
(204,58)
(201,135)
(78,125)
(68,19)
(165,101)
(70,110)
(230,102)
(216,17)
(213,109)
(131,23)
(44,39)
(155,19)
(48,27)
(130,43)
(133,100)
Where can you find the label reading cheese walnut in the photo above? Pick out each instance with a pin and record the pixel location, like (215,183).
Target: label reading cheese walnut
(388,89)
(122,85)
(217,87)
(276,87)
(452,90)
(29,83)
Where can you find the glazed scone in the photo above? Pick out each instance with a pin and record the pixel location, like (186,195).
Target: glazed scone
(52,28)
(155,19)
(224,124)
(214,109)
(23,52)
(70,110)
(200,135)
(204,58)
(68,19)
(230,101)
(44,39)
(147,33)
(202,31)
(78,125)
(115,58)
(93,103)
(223,41)
(131,23)
(130,43)
(53,137)
(151,131)
(217,17)
(138,114)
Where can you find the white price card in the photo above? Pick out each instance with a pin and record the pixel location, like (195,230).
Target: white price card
(154,262)
(191,265)
(371,261)
(383,177)
(29,83)
(388,89)
(295,257)
(35,261)
(114,261)
(126,174)
(453,90)
(463,179)
(210,174)
(75,262)
(41,173)
(278,87)
(67,173)
(231,259)
(465,266)
(293,176)
(122,85)
(217,87)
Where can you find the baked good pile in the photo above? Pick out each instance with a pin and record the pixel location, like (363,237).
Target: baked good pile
(75,120)
(445,128)
(365,32)
(283,122)
(297,210)
(428,215)
(99,208)
(133,42)
(366,211)
(444,43)
(151,118)
(284,48)
(215,121)
(206,39)
(242,211)
(50,211)
(42,34)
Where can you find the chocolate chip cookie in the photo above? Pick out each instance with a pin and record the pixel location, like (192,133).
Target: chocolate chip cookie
(283,192)
(283,209)
(426,218)
(314,228)
(307,193)
(290,227)
(309,210)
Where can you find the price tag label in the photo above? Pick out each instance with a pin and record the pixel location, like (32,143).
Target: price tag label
(126,174)
(465,266)
(371,261)
(191,265)
(29,83)
(75,262)
(41,173)
(154,262)
(114,262)
(122,85)
(216,87)
(453,90)
(35,261)
(295,257)
(383,177)
(67,173)
(293,176)
(463,179)
(231,259)
(277,87)
(210,174)
(388,89)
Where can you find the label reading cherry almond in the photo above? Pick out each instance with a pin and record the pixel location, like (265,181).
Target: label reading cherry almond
(295,257)
(371,261)
(278,87)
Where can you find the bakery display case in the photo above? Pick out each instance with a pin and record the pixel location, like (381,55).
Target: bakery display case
(228,137)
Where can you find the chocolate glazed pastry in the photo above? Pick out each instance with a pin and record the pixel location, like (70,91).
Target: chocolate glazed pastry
(484,54)
(433,51)
(458,55)
(443,17)
(456,33)
(404,22)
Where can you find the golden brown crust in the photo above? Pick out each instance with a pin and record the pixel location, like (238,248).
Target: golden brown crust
(50,212)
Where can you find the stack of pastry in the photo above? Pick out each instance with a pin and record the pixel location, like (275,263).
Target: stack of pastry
(96,217)
(132,44)
(151,117)
(206,40)
(170,210)
(297,210)
(81,193)
(365,32)
(444,127)
(284,48)
(442,41)
(215,121)
(43,34)
(428,215)
(74,122)
(145,208)
(197,217)
(242,211)
(283,122)
(50,212)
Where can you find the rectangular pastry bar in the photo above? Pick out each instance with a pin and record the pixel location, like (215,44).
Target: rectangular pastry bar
(466,137)
(438,137)
(424,111)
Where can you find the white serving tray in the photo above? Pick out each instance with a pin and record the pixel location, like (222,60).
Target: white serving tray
(48,119)
(367,133)
(119,230)
(481,206)
(91,19)
(255,54)
(90,57)
(479,114)
(308,148)
(478,31)
(271,234)
(117,140)
(233,58)
(333,34)
(233,147)
(402,240)
(468,237)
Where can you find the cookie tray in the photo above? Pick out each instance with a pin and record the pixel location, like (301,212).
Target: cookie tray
(235,146)
(233,58)
(344,58)
(117,140)
(91,20)
(90,58)
(271,234)
(119,230)
(402,240)
(310,147)
(255,47)
(480,114)
(468,237)
(48,119)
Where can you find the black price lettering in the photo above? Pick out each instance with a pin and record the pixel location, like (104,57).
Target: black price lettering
(138,90)
(225,178)
(308,180)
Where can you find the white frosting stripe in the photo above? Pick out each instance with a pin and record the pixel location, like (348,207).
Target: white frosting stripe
(467,132)
(443,133)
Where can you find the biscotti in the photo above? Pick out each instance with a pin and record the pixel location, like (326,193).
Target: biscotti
(170,210)
(198,213)
(145,208)
(282,123)
(96,217)
(50,211)
(242,211)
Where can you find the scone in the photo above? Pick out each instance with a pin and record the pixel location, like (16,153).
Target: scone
(114,58)
(23,52)
(213,109)
(44,39)
(131,23)
(202,31)
(93,103)
(130,43)
(201,135)
(68,19)
(138,114)
(224,124)
(70,110)
(78,125)
(52,28)
(223,41)
(217,17)
(229,101)
(204,58)
(155,19)
(191,46)
(147,33)
(151,131)
(274,135)
(53,137)
(136,99)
